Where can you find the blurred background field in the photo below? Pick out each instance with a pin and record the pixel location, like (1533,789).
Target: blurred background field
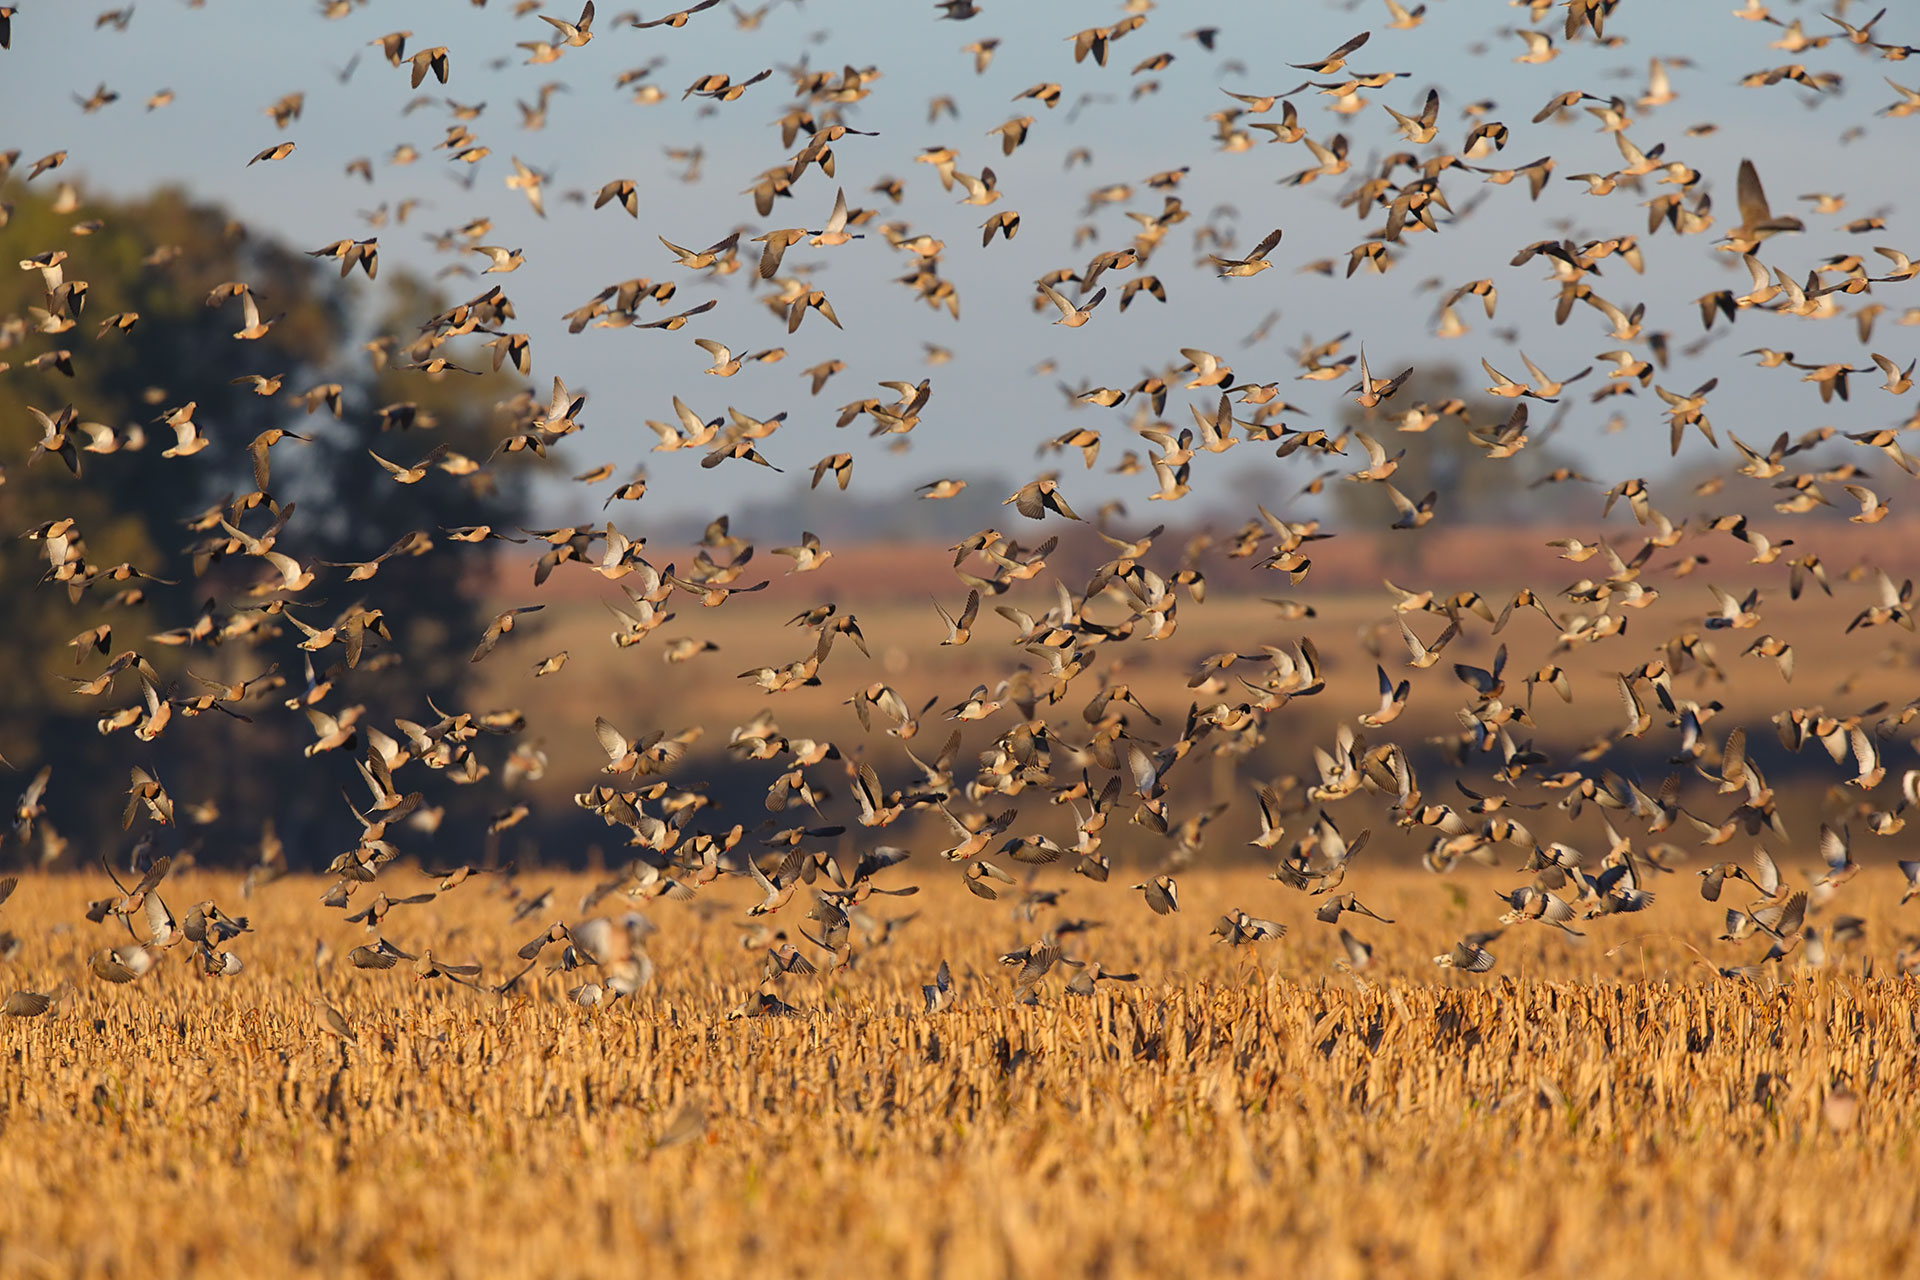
(1355,630)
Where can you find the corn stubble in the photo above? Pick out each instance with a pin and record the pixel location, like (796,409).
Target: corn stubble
(1610,1110)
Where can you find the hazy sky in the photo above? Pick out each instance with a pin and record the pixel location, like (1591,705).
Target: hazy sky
(229,59)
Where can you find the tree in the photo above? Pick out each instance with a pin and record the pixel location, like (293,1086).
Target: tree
(138,327)
(1442,459)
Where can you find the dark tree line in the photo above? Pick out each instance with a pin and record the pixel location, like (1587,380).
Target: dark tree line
(151,331)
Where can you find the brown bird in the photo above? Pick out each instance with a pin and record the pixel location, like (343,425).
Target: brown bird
(960,630)
(1162,894)
(679,17)
(408,475)
(1070,315)
(1238,929)
(1337,59)
(432,62)
(1253,264)
(1037,497)
(25,1004)
(1757,220)
(330,1021)
(502,624)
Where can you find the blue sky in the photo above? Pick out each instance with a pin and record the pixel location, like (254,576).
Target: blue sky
(227,61)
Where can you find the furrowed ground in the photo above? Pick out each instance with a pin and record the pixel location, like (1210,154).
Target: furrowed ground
(1606,1105)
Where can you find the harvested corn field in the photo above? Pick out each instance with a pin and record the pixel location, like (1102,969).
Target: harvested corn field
(1604,1106)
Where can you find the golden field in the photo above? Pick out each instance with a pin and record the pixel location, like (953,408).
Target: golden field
(1605,1106)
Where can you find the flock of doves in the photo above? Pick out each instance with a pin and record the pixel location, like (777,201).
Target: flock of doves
(1110,754)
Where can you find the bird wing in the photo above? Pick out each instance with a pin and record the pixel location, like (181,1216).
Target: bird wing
(1058,299)
(611,740)
(160,924)
(1752,196)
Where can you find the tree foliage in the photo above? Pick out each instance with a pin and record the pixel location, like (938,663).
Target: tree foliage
(1442,457)
(129,329)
